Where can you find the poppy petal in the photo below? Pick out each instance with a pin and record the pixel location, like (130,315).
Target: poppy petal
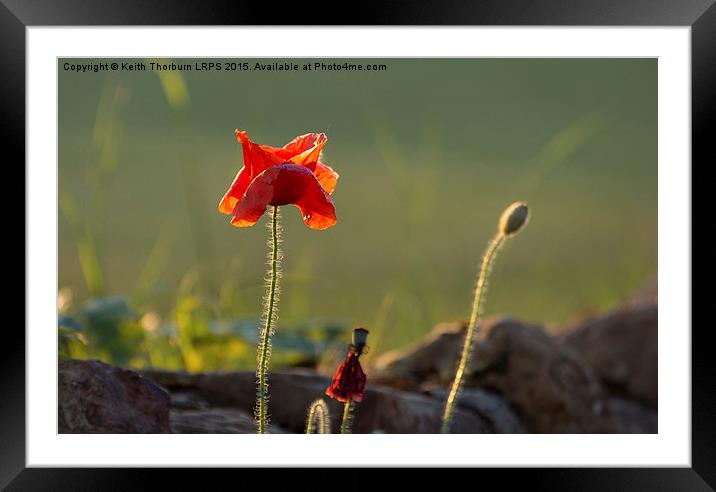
(302,150)
(326,176)
(236,191)
(305,149)
(282,185)
(258,157)
(349,381)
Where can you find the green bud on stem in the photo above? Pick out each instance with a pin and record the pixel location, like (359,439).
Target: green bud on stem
(514,218)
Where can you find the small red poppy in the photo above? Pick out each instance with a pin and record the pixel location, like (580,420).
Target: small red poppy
(291,174)
(349,380)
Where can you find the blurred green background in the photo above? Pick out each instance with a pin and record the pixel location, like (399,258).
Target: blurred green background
(429,152)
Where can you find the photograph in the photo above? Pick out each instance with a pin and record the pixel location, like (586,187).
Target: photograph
(394,245)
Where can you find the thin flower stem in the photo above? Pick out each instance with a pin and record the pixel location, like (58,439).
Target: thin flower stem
(318,417)
(480,289)
(346,422)
(265,345)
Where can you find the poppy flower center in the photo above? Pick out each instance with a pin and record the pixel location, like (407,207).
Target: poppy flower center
(290,190)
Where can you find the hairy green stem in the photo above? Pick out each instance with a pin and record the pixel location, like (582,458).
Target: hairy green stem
(346,422)
(480,289)
(318,417)
(269,316)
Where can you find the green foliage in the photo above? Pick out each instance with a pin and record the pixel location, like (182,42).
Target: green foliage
(86,224)
(71,341)
(192,338)
(113,330)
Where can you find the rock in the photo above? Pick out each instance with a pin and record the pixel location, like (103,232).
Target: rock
(634,418)
(94,397)
(549,386)
(382,410)
(237,390)
(433,359)
(215,421)
(493,409)
(186,400)
(393,411)
(622,347)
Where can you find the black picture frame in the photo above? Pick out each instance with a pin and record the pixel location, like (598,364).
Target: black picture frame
(16,15)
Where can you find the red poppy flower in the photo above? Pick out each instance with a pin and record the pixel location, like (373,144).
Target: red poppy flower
(291,174)
(349,380)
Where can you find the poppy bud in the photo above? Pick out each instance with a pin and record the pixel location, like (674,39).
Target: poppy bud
(349,381)
(360,337)
(513,218)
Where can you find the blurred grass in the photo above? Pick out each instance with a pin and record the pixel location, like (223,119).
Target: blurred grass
(429,153)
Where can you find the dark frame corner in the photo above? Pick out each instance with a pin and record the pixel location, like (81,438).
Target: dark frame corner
(16,15)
